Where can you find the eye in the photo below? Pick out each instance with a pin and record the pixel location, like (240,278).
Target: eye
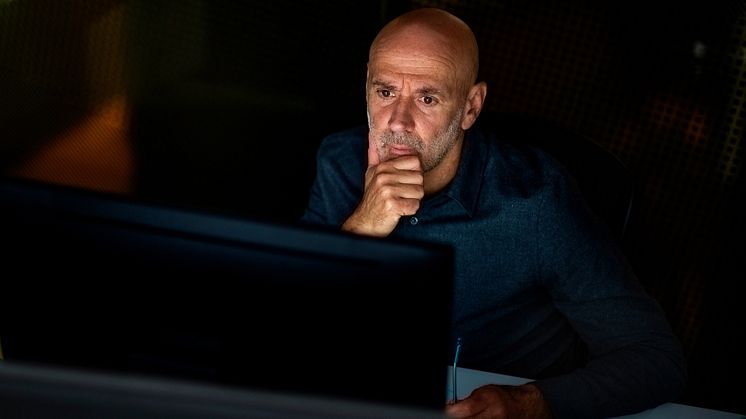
(384,93)
(428,100)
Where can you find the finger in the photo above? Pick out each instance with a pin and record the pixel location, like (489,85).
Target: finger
(411,177)
(399,177)
(398,207)
(373,158)
(458,410)
(408,162)
(406,191)
(409,206)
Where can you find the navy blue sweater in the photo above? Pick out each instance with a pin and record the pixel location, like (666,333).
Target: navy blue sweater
(541,289)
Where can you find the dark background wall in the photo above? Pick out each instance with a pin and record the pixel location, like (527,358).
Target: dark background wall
(221,104)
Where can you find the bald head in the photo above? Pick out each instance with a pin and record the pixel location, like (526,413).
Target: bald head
(422,93)
(432,32)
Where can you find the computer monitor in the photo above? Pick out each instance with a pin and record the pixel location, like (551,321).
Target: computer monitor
(31,391)
(105,282)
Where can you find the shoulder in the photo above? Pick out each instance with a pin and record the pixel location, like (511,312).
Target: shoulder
(343,153)
(536,144)
(343,143)
(519,167)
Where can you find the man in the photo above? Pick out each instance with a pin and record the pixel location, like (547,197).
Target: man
(540,289)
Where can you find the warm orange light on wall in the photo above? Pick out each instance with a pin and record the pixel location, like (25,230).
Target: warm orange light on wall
(94,154)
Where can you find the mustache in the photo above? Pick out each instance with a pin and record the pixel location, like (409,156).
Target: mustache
(409,140)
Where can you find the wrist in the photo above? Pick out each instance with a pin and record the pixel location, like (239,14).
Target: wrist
(356,225)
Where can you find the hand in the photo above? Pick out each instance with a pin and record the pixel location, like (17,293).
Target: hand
(501,402)
(393,189)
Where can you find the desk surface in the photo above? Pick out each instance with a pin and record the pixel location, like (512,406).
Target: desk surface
(469,379)
(43,392)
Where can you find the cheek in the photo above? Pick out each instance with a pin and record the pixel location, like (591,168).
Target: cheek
(377,118)
(431,127)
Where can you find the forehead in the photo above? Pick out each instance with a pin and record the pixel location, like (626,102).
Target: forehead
(397,67)
(416,53)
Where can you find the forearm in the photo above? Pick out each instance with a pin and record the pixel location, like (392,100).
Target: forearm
(625,382)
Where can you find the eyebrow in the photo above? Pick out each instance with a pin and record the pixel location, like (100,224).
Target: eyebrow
(425,90)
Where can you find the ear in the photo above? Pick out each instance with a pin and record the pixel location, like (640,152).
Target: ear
(367,81)
(474,104)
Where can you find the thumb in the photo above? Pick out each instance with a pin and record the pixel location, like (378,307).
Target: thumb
(373,158)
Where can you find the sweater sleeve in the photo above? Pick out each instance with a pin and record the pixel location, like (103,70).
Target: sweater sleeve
(636,362)
(338,184)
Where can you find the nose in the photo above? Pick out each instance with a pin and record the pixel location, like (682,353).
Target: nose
(402,119)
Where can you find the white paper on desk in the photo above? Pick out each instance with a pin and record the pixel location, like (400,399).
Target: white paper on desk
(467,380)
(681,411)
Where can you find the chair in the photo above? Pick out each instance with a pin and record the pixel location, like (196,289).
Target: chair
(603,179)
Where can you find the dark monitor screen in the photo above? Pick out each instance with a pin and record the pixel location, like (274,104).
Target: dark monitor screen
(108,283)
(31,391)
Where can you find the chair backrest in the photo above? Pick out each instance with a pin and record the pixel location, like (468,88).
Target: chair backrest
(604,180)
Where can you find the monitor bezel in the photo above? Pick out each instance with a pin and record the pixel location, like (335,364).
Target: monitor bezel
(57,308)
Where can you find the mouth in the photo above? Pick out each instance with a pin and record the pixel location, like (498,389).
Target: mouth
(401,150)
